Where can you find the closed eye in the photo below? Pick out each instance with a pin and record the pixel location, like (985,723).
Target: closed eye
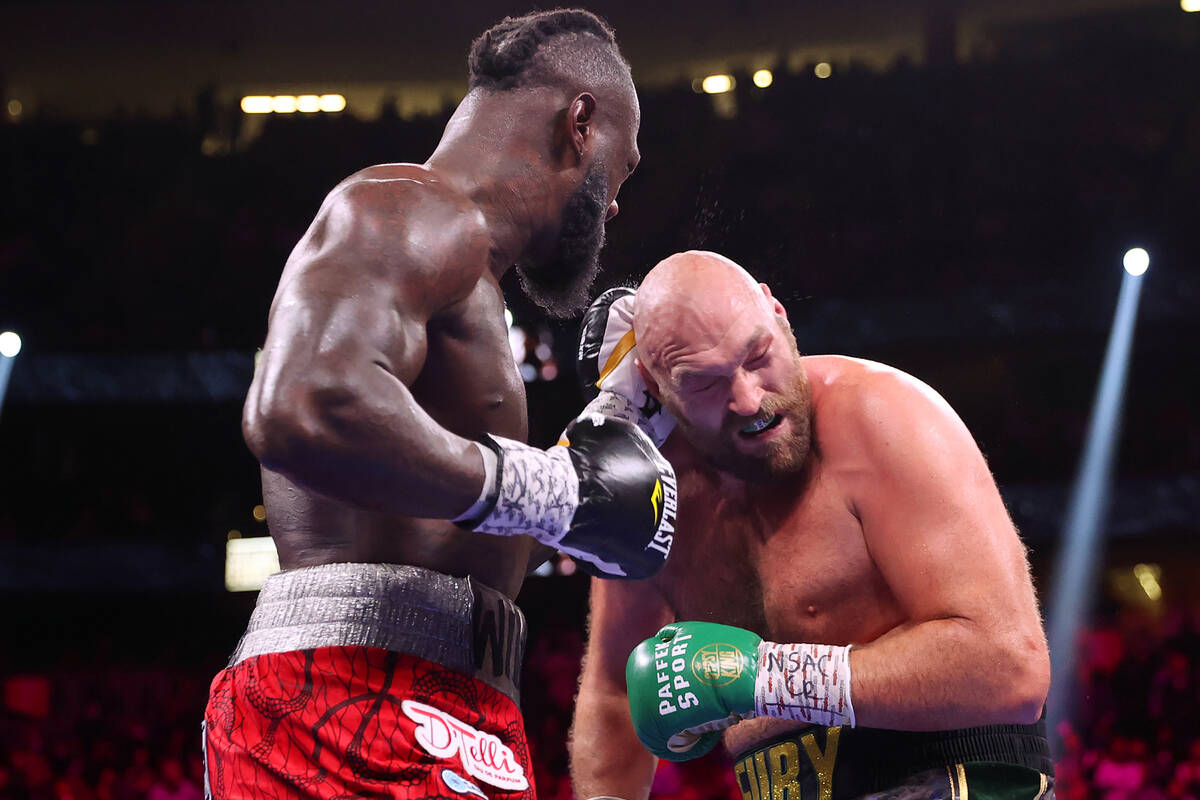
(701,388)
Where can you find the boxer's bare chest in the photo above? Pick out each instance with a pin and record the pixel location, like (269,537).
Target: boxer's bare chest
(789,563)
(469,385)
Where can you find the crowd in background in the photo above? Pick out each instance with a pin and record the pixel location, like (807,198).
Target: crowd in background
(131,732)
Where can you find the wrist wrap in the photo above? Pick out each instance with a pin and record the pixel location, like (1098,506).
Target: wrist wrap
(804,682)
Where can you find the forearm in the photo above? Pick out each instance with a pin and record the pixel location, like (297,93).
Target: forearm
(606,757)
(363,441)
(947,673)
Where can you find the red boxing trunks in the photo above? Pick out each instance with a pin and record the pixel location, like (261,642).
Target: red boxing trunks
(374,680)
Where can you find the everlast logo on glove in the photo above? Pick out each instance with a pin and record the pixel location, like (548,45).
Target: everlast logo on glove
(663,503)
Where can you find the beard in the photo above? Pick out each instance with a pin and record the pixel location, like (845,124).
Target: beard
(781,458)
(562,283)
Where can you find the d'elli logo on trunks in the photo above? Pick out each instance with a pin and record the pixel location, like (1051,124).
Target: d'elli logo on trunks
(483,755)
(717,664)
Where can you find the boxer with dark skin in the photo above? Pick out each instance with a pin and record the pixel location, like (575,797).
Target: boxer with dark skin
(828,500)
(387,351)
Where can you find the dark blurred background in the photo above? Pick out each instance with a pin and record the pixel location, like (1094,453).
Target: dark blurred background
(947,186)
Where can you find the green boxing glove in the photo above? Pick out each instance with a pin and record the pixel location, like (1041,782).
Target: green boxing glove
(687,683)
(692,680)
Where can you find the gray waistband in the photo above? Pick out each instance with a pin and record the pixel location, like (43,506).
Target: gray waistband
(456,622)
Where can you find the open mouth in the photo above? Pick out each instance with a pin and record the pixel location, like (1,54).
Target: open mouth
(760,425)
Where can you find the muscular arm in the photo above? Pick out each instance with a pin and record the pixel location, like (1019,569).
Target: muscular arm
(974,651)
(606,756)
(330,407)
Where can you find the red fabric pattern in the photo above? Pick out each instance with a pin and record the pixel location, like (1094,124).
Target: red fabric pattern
(329,723)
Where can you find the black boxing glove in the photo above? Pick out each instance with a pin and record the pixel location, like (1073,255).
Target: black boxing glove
(605,496)
(609,377)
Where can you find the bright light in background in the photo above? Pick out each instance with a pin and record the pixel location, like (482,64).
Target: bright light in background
(248,562)
(15,108)
(332,103)
(717,84)
(763,78)
(823,69)
(1083,535)
(1137,260)
(10,344)
(1148,575)
(288,103)
(1189,5)
(259,513)
(256,104)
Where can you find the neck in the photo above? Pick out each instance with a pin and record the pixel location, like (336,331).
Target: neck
(487,154)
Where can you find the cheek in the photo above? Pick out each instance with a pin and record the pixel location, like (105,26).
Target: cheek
(697,413)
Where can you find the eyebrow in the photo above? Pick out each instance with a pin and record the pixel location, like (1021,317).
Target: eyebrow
(685,374)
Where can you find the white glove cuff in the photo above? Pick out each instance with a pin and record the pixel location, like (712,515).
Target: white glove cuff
(804,682)
(489,485)
(538,493)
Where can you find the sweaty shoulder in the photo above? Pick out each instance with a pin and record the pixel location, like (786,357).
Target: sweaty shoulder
(871,417)
(406,223)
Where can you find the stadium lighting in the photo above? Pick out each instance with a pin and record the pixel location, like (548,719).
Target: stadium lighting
(763,78)
(823,69)
(1137,260)
(248,562)
(717,84)
(1083,534)
(290,103)
(256,104)
(1190,5)
(1147,575)
(10,344)
(332,103)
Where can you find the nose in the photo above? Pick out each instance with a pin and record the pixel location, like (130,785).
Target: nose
(613,210)
(745,394)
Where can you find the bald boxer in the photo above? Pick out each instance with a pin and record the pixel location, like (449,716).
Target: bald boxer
(390,420)
(851,610)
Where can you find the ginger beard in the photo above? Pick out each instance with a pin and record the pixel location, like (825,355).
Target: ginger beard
(561,284)
(775,460)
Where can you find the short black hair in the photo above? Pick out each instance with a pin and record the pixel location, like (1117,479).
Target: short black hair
(525,51)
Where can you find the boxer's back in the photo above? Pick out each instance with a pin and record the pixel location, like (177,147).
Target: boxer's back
(468,384)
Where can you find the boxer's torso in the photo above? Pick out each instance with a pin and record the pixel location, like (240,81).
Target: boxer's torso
(468,384)
(788,561)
